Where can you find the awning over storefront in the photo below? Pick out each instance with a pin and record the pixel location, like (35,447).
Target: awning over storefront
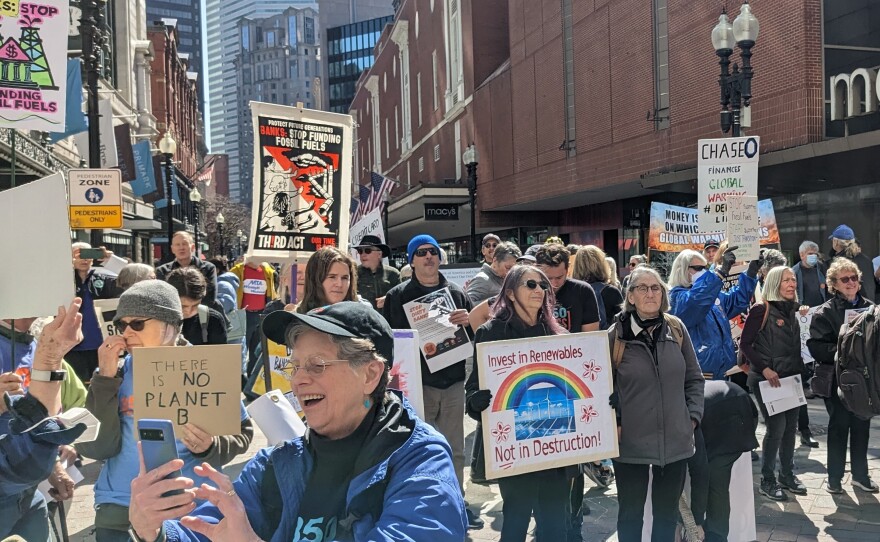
(406,214)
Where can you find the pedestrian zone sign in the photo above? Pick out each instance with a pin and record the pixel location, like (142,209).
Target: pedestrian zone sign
(95,198)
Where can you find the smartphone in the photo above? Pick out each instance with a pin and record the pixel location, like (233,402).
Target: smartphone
(91,253)
(159,447)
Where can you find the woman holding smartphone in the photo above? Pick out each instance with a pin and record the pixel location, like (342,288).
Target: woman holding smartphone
(149,315)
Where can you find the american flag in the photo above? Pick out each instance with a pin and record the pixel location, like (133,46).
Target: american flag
(364,198)
(381,186)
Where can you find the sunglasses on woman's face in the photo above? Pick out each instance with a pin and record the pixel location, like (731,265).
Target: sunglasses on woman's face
(422,252)
(135,325)
(847,280)
(491,245)
(531,284)
(366,250)
(697,268)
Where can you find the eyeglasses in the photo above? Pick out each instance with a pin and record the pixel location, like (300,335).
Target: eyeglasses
(531,284)
(135,325)
(697,268)
(847,280)
(643,289)
(422,252)
(490,245)
(366,250)
(313,366)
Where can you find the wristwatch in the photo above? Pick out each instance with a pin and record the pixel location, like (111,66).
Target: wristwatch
(48,376)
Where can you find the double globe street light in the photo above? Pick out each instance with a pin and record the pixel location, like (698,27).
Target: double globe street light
(736,85)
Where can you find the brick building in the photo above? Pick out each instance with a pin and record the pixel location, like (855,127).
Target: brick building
(175,101)
(585,112)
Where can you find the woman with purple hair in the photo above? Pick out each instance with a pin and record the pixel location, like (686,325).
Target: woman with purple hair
(524,308)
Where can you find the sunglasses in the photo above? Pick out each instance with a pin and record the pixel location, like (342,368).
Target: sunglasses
(847,280)
(422,252)
(135,325)
(697,268)
(531,284)
(367,250)
(490,245)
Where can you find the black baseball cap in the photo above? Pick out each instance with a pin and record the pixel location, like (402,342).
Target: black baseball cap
(351,319)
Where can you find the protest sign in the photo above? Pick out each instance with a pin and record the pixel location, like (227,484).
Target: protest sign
(852,314)
(804,320)
(725,167)
(743,226)
(302,181)
(33,82)
(460,274)
(369,224)
(441,342)
(42,204)
(197,384)
(406,370)
(549,402)
(674,228)
(105,311)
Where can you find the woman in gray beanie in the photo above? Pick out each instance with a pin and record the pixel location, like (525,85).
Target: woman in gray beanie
(149,315)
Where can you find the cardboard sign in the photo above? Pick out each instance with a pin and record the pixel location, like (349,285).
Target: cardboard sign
(406,370)
(33,81)
(369,224)
(743,226)
(725,167)
(44,203)
(549,402)
(95,198)
(197,384)
(105,311)
(460,274)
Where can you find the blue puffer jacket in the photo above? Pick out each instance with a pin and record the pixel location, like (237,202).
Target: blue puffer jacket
(706,312)
(227,286)
(409,494)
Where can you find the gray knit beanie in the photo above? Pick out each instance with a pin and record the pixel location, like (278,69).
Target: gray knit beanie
(154,299)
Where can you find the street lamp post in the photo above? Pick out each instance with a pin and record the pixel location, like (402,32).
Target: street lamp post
(219,221)
(735,83)
(167,146)
(471,158)
(195,197)
(91,27)
(240,236)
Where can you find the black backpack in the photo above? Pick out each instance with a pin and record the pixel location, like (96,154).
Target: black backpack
(858,364)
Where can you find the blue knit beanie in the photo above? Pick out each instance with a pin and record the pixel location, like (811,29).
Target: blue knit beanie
(418,241)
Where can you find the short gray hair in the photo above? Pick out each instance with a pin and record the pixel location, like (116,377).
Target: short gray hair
(808,245)
(635,280)
(133,273)
(358,352)
(505,250)
(680,273)
(773,258)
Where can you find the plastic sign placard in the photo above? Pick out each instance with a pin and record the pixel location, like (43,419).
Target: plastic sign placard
(95,198)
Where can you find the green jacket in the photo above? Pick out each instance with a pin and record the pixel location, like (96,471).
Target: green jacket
(372,285)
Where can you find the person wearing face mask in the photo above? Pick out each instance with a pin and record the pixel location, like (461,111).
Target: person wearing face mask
(810,274)
(696,297)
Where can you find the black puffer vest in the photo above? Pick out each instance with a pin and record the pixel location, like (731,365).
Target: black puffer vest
(779,342)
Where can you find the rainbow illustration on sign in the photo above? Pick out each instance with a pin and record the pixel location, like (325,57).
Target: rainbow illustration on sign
(513,390)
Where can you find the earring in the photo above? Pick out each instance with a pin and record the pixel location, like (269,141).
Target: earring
(367,403)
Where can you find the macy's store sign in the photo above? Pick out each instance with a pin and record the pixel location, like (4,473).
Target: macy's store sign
(854,94)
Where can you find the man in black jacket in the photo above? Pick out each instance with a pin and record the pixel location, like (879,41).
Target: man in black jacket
(184,248)
(443,389)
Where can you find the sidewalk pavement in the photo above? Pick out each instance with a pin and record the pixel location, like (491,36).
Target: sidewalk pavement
(817,516)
